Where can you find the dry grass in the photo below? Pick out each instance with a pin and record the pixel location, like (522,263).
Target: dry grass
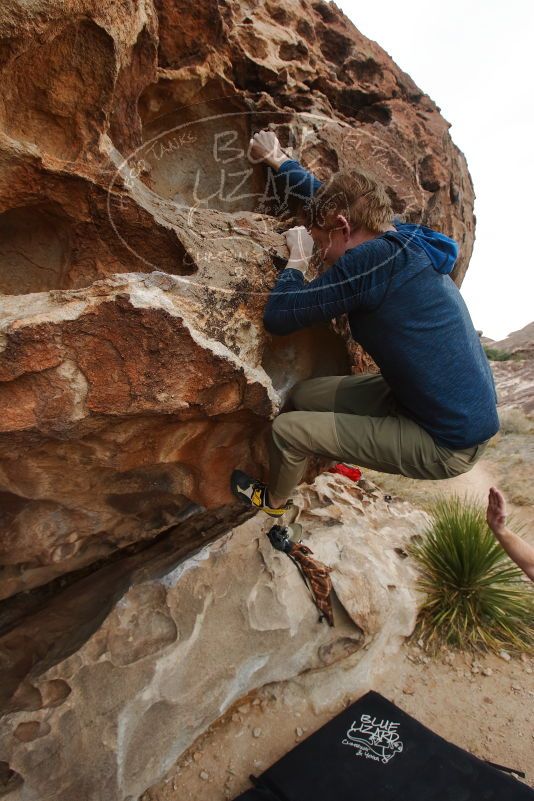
(514,421)
(511,459)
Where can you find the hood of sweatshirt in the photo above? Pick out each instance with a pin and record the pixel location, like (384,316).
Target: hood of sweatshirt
(441,249)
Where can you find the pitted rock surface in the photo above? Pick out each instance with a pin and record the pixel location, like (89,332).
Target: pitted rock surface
(123,670)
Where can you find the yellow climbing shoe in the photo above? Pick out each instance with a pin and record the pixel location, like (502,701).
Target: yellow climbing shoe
(254,493)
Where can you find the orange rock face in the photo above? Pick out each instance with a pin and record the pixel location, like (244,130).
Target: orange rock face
(138,245)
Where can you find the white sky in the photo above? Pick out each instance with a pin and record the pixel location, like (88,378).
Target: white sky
(475,60)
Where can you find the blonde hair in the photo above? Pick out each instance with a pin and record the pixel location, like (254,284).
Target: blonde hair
(356,194)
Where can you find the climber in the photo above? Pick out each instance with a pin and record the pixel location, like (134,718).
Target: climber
(430,412)
(517,549)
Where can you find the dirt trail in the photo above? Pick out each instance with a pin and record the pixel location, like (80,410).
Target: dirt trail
(476,483)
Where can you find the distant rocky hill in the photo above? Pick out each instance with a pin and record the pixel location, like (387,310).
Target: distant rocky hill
(514,379)
(520,343)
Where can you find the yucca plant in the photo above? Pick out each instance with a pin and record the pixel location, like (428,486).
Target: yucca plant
(476,597)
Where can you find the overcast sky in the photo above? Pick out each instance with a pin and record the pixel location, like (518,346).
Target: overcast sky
(475,60)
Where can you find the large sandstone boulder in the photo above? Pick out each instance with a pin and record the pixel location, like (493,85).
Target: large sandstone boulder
(137,248)
(138,245)
(131,665)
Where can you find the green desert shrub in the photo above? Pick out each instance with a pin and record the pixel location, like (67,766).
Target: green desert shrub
(496,355)
(475,596)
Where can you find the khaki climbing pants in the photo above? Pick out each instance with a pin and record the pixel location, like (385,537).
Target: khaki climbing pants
(355,419)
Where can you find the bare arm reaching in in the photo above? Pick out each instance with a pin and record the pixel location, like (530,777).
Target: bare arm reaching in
(517,549)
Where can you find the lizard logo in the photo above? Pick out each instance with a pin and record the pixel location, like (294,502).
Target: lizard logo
(374,739)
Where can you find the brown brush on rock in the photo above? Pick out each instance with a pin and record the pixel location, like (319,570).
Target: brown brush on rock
(314,573)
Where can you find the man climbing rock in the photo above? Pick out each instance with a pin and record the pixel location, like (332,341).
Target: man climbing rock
(432,410)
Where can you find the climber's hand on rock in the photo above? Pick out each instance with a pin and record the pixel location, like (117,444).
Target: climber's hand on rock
(265,147)
(300,246)
(299,241)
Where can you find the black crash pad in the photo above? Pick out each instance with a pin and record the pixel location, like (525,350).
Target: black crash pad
(373,751)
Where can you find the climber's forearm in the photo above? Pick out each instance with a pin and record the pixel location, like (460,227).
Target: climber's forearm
(518,550)
(276,161)
(350,284)
(295,180)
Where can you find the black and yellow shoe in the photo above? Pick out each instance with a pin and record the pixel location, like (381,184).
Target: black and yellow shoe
(254,493)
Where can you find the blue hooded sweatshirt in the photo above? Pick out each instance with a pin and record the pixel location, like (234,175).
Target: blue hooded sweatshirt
(407,313)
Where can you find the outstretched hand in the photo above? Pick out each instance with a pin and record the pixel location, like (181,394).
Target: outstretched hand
(265,147)
(496,511)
